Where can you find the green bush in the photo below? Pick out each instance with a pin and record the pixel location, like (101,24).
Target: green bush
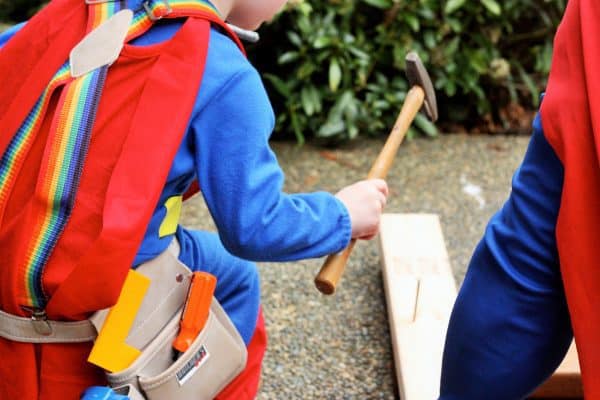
(335,69)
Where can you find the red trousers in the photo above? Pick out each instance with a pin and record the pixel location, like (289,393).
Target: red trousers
(246,385)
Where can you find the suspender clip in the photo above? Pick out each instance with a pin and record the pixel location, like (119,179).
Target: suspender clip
(39,320)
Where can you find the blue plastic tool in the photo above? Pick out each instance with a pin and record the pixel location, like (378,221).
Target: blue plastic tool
(101,393)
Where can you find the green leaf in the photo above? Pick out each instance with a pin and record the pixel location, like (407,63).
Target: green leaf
(425,125)
(304,24)
(304,8)
(294,38)
(315,99)
(382,4)
(352,131)
(306,69)
(533,89)
(307,101)
(358,53)
(344,102)
(279,85)
(450,87)
(296,128)
(453,5)
(455,24)
(427,13)
(492,6)
(412,21)
(335,75)
(451,48)
(288,57)
(321,42)
(429,39)
(331,128)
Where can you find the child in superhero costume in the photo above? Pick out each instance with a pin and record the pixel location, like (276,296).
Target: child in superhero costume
(160,126)
(534,281)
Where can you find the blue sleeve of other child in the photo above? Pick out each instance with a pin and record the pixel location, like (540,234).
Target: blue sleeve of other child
(9,33)
(242,181)
(510,325)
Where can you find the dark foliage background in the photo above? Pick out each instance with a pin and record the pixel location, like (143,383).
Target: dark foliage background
(335,69)
(18,10)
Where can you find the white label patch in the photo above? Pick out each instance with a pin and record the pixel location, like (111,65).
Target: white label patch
(190,368)
(101,46)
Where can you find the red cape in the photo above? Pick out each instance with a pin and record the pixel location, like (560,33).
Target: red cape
(571,120)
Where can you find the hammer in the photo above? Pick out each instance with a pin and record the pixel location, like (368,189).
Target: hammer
(421,94)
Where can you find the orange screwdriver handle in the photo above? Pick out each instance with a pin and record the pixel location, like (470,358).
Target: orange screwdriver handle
(196,309)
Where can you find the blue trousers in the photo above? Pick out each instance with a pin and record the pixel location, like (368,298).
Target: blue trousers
(238,286)
(510,325)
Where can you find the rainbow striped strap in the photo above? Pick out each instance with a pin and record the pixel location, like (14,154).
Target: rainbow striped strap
(151,11)
(62,164)
(68,142)
(154,10)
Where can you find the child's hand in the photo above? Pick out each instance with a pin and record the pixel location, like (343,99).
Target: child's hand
(365,201)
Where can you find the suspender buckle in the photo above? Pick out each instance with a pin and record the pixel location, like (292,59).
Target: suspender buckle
(151,13)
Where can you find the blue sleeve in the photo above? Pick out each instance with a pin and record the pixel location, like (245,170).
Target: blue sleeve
(242,182)
(9,33)
(510,325)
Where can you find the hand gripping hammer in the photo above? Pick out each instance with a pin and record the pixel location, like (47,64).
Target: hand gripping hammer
(420,95)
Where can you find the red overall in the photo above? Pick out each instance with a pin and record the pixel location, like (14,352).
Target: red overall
(571,121)
(144,111)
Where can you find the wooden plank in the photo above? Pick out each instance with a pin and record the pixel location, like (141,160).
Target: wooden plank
(565,383)
(420,291)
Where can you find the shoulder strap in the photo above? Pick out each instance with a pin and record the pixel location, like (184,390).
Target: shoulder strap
(125,218)
(152,140)
(159,9)
(38,61)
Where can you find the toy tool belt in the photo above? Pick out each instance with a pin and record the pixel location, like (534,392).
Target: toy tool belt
(216,356)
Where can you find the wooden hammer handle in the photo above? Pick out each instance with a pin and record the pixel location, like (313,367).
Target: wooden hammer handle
(333,268)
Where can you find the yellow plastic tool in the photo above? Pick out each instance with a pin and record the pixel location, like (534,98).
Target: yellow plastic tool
(110,350)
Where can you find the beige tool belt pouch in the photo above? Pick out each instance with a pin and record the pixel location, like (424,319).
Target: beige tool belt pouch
(214,359)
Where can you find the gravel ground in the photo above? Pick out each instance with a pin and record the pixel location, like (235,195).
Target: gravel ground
(339,347)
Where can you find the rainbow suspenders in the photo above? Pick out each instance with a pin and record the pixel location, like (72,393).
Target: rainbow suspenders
(69,135)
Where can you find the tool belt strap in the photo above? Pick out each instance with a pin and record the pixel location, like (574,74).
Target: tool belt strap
(41,330)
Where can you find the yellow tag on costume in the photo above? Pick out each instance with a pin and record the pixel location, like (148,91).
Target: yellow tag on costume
(169,224)
(110,350)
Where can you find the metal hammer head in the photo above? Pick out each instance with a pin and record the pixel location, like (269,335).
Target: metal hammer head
(417,75)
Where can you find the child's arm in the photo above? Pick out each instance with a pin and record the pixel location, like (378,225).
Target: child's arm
(242,182)
(510,325)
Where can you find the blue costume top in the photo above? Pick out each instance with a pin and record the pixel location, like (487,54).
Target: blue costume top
(226,148)
(510,326)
